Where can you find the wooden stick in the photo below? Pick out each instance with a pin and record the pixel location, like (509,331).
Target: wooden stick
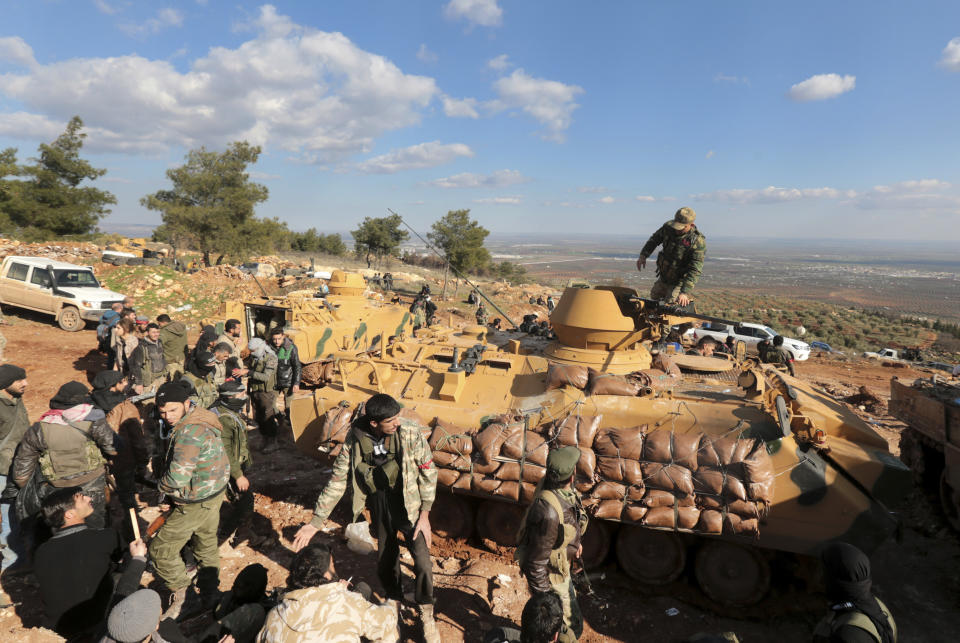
(135,522)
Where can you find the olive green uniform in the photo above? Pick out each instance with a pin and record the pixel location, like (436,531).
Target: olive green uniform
(680,262)
(831,626)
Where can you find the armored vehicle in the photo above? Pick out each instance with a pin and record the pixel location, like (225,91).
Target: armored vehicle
(343,320)
(930,446)
(733,464)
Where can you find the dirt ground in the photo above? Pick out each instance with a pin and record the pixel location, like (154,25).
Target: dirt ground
(478,588)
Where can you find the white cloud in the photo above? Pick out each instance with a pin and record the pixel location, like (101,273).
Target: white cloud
(645,198)
(548,101)
(263,176)
(772,195)
(14,49)
(165,17)
(460,107)
(426,56)
(710,154)
(500,63)
(950,59)
(910,196)
(312,93)
(822,87)
(415,157)
(732,80)
(592,189)
(485,13)
(501,200)
(606,199)
(498,179)
(105,7)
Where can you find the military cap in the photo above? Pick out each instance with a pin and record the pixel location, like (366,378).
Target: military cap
(683,218)
(563,462)
(231,387)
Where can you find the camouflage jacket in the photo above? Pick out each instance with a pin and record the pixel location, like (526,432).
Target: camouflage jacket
(776,355)
(681,260)
(197,466)
(13,424)
(332,614)
(417,470)
(263,372)
(234,438)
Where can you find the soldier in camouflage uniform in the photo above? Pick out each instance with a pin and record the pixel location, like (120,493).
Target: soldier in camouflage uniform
(196,477)
(680,263)
(481,315)
(389,466)
(320,608)
(777,354)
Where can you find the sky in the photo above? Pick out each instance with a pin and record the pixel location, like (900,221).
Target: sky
(807,120)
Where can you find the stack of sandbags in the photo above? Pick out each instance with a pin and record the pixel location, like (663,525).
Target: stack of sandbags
(452,447)
(560,375)
(734,485)
(610,384)
(618,453)
(669,460)
(663,374)
(579,431)
(334,427)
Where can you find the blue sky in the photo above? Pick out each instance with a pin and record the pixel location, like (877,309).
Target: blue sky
(780,119)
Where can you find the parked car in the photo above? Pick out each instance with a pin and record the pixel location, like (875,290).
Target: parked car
(258,269)
(751,335)
(69,292)
(821,346)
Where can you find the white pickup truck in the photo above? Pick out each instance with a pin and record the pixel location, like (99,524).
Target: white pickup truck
(751,335)
(69,292)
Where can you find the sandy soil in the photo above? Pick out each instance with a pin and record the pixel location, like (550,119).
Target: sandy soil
(478,588)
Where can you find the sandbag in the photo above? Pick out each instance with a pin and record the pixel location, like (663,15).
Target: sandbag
(451,439)
(705,501)
(734,524)
(560,375)
(511,471)
(726,451)
(680,518)
(626,442)
(488,443)
(527,491)
(664,362)
(661,498)
(463,483)
(577,431)
(669,477)
(710,522)
(610,384)
(587,464)
(633,512)
(536,447)
(758,473)
(671,447)
(610,468)
(484,484)
(584,485)
(733,488)
(745,509)
(451,461)
(687,517)
(708,480)
(447,477)
(608,509)
(632,472)
(508,490)
(606,490)
(635,493)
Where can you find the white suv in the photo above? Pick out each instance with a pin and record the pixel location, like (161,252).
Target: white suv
(751,335)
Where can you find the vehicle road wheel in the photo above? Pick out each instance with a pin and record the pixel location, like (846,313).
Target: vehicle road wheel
(70,319)
(732,574)
(596,544)
(650,556)
(950,500)
(451,516)
(499,522)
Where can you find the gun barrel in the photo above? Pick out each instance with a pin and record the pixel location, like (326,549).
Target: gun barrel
(680,311)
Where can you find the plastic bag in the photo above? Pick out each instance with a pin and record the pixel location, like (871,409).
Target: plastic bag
(358,537)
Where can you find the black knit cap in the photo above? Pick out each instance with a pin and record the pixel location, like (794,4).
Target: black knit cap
(70,395)
(105,379)
(10,373)
(172,392)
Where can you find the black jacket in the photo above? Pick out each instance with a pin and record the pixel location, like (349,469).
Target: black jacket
(288,368)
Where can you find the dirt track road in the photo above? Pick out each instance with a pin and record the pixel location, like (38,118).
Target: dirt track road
(477,588)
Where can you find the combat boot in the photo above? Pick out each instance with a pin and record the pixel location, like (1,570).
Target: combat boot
(430,632)
(175,603)
(270,445)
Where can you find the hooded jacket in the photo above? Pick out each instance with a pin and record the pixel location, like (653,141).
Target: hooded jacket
(13,424)
(174,339)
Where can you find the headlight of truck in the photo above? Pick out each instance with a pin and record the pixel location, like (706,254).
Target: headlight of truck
(89,304)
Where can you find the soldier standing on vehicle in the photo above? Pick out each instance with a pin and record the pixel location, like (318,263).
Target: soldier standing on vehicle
(389,466)
(481,315)
(777,354)
(196,476)
(148,366)
(550,538)
(680,262)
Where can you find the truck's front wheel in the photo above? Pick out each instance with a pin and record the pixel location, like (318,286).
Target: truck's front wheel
(70,319)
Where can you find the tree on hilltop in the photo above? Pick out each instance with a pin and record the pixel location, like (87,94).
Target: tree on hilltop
(313,241)
(46,199)
(461,240)
(212,205)
(378,237)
